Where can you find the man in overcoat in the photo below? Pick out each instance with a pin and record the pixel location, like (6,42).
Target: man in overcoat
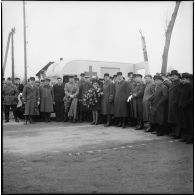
(19,85)
(10,100)
(122,92)
(148,92)
(173,105)
(46,99)
(158,104)
(186,105)
(137,98)
(58,91)
(107,100)
(31,99)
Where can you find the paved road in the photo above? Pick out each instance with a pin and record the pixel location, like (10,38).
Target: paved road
(80,158)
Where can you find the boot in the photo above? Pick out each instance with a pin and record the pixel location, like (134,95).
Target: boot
(31,120)
(124,123)
(96,118)
(48,117)
(65,117)
(108,121)
(16,119)
(25,123)
(120,123)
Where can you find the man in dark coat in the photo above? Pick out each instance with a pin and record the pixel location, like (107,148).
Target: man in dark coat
(10,94)
(173,107)
(46,99)
(107,101)
(167,82)
(122,91)
(158,104)
(31,99)
(137,98)
(148,92)
(132,85)
(19,85)
(58,91)
(186,106)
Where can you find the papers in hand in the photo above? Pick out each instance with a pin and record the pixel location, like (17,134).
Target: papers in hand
(129,98)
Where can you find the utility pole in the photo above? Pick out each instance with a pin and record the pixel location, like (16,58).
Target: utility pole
(144,47)
(25,56)
(13,31)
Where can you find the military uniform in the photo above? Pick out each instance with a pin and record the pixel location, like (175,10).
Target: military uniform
(10,99)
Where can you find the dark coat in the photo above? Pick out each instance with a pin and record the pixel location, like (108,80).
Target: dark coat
(158,102)
(173,102)
(58,92)
(186,105)
(31,97)
(46,98)
(10,94)
(137,100)
(122,91)
(20,87)
(148,92)
(107,101)
(132,85)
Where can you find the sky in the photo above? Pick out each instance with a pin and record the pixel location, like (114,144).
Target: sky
(104,31)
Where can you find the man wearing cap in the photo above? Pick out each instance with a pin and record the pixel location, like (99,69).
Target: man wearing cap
(137,100)
(42,82)
(173,108)
(19,85)
(148,92)
(71,100)
(31,99)
(10,99)
(158,104)
(120,101)
(37,83)
(107,101)
(186,106)
(58,91)
(46,99)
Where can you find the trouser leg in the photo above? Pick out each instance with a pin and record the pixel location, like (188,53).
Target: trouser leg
(7,109)
(96,117)
(14,109)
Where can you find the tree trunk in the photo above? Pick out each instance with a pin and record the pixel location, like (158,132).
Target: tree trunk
(168,38)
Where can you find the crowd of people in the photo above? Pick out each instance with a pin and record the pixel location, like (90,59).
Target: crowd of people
(162,104)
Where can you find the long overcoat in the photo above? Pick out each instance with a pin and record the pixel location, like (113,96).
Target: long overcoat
(148,92)
(46,98)
(31,97)
(158,104)
(107,101)
(10,94)
(122,91)
(58,92)
(137,101)
(186,101)
(132,85)
(173,105)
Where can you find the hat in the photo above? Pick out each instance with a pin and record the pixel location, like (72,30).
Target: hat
(82,74)
(134,75)
(114,76)
(71,76)
(86,76)
(119,73)
(129,74)
(76,79)
(42,80)
(17,78)
(174,72)
(162,74)
(32,78)
(59,77)
(186,75)
(9,79)
(106,75)
(139,75)
(157,77)
(47,79)
(37,81)
(148,75)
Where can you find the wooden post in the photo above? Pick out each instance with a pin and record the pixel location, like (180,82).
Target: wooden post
(13,31)
(25,56)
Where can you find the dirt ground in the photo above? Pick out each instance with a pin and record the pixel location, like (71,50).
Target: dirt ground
(81,158)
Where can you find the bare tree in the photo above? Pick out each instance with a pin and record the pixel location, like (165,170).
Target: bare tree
(168,37)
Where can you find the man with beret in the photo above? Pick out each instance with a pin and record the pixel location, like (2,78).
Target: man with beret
(107,101)
(46,99)
(148,92)
(31,100)
(122,91)
(19,85)
(58,91)
(137,99)
(158,104)
(10,99)
(173,108)
(186,106)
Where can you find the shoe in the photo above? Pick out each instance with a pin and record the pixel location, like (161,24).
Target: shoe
(154,132)
(139,128)
(74,121)
(6,121)
(119,125)
(159,134)
(93,123)
(25,123)
(176,137)
(123,126)
(107,125)
(183,140)
(149,130)
(189,141)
